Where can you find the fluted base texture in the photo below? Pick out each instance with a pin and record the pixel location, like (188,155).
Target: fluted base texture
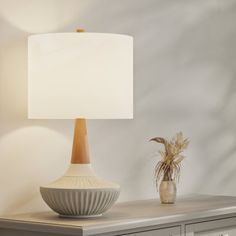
(79,202)
(80,193)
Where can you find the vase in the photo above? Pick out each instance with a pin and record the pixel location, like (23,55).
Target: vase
(167,191)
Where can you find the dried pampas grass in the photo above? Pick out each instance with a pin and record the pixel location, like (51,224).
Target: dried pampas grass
(169,166)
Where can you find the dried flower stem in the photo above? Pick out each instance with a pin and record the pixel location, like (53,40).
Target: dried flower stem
(168,168)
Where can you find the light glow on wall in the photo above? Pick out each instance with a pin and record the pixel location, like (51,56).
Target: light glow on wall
(40,16)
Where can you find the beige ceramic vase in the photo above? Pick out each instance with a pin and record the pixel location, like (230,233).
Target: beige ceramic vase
(167,191)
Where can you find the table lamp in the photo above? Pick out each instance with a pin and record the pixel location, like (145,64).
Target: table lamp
(80,76)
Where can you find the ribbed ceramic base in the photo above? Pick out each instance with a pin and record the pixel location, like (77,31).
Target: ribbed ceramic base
(79,202)
(80,194)
(79,217)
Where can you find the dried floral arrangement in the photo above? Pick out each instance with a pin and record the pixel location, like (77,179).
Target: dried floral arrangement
(170,164)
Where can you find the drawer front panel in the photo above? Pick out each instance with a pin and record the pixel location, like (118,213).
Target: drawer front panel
(172,231)
(224,232)
(222,227)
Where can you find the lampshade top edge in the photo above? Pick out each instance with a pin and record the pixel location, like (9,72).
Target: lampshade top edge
(77,34)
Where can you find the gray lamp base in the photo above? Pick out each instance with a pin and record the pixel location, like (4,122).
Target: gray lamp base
(80,193)
(80,217)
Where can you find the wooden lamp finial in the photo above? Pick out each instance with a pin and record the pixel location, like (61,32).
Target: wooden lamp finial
(80,30)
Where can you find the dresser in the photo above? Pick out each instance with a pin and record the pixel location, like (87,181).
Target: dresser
(198,215)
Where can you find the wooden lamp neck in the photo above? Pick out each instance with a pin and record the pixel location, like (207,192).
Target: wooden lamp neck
(80,153)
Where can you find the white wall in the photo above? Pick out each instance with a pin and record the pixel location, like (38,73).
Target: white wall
(185,55)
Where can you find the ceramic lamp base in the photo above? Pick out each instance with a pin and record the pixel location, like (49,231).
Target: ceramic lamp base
(79,217)
(80,193)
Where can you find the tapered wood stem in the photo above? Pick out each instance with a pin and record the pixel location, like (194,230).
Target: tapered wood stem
(80,153)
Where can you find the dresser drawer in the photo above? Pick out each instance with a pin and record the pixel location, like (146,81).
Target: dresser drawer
(222,227)
(172,231)
(223,232)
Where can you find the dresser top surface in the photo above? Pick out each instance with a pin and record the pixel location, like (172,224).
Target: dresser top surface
(128,215)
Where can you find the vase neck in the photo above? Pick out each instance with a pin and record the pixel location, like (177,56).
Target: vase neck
(167,177)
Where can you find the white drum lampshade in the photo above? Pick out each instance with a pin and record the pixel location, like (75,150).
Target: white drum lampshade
(80,76)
